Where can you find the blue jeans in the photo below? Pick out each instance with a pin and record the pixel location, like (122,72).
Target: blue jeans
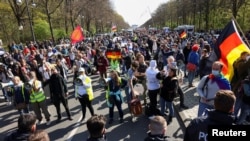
(245,111)
(164,103)
(118,104)
(128,95)
(202,108)
(191,75)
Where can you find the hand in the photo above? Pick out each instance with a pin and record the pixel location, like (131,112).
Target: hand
(204,99)
(66,94)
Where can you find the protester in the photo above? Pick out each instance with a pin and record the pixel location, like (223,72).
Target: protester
(59,93)
(153,85)
(96,128)
(141,76)
(209,85)
(84,93)
(102,63)
(168,90)
(129,90)
(20,95)
(114,96)
(26,125)
(222,114)
(193,63)
(38,99)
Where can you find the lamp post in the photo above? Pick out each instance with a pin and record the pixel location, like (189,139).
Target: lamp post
(19,2)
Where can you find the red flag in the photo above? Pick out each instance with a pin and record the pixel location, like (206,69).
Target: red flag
(77,35)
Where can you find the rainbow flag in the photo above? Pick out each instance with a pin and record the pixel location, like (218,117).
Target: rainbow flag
(183,35)
(228,48)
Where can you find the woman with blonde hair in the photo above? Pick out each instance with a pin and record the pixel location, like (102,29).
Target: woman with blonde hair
(38,99)
(114,96)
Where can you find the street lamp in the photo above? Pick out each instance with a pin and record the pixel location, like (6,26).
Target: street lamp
(19,2)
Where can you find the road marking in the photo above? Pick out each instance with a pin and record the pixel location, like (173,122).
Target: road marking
(73,132)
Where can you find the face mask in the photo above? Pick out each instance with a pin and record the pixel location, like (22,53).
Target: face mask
(215,72)
(174,50)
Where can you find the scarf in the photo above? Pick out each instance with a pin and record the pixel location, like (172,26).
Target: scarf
(221,81)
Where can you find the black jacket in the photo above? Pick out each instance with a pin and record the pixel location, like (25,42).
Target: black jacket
(169,87)
(17,136)
(199,125)
(58,86)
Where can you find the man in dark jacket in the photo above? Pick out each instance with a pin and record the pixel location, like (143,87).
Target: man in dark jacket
(59,93)
(96,128)
(224,102)
(157,127)
(26,125)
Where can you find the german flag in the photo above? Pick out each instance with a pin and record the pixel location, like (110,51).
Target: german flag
(183,35)
(114,28)
(113,54)
(228,48)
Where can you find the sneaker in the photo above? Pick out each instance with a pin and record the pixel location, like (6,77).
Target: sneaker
(69,118)
(48,123)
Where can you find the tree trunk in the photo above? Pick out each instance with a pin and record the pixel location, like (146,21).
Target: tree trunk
(207,11)
(51,29)
(66,16)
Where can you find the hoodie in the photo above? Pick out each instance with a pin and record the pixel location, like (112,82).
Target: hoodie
(152,82)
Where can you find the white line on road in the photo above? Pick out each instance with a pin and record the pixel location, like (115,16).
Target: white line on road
(73,132)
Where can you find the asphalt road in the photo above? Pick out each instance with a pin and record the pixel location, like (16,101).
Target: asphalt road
(77,131)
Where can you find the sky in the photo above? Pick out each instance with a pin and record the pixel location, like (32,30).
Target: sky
(136,12)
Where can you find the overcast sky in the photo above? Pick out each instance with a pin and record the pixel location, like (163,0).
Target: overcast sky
(136,11)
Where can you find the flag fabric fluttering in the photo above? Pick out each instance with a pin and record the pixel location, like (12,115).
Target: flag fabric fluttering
(183,34)
(113,54)
(114,28)
(228,48)
(77,35)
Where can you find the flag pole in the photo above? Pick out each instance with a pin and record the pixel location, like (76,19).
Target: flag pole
(246,41)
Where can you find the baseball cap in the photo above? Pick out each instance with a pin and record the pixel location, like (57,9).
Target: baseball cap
(81,70)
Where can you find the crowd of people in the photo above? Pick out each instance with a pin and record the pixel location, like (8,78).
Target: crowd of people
(159,61)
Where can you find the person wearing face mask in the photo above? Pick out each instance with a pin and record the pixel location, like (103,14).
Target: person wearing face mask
(84,93)
(209,85)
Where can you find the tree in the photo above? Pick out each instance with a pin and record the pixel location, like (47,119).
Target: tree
(50,7)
